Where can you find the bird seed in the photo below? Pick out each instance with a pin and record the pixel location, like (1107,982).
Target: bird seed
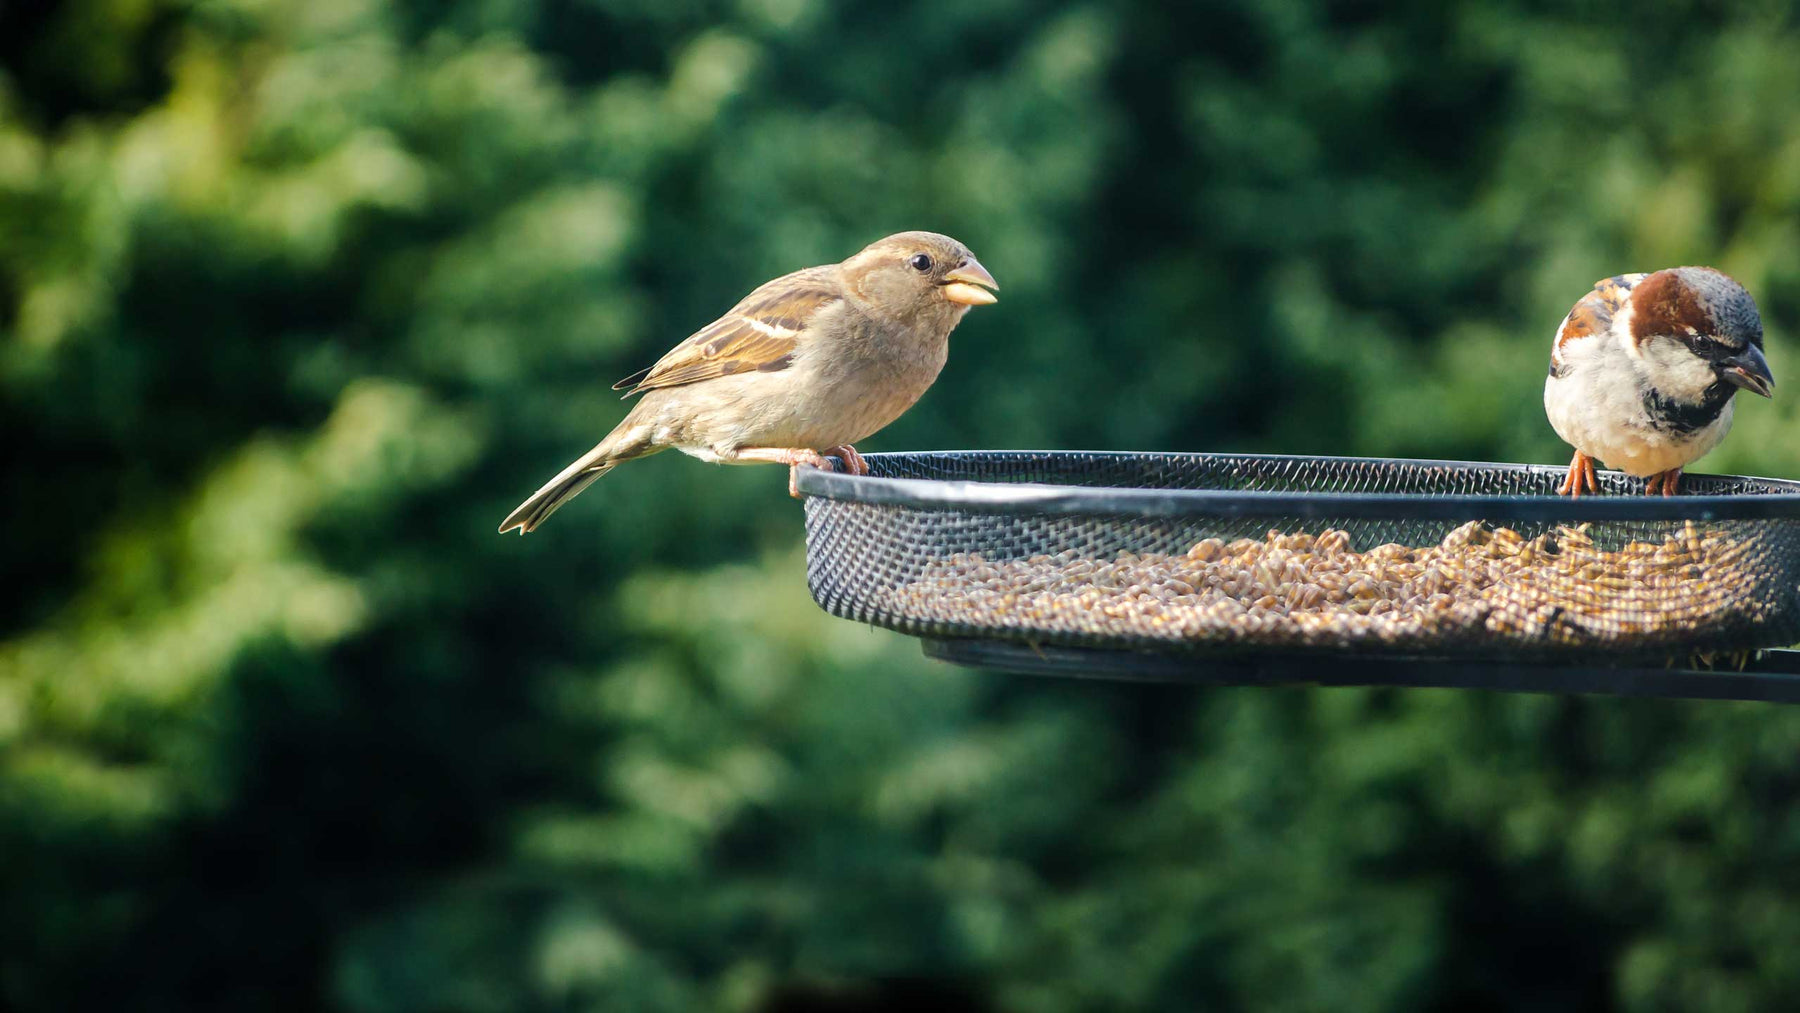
(1305,590)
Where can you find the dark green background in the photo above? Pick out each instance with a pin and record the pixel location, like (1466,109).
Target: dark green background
(299,297)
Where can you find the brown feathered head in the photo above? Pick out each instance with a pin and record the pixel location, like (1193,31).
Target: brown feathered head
(913,273)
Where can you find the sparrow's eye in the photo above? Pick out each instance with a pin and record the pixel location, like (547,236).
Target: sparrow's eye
(920,262)
(1708,346)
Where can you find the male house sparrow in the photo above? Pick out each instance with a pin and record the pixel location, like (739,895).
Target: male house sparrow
(1643,371)
(804,366)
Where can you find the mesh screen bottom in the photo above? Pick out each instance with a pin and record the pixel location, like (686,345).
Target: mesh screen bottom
(1497,579)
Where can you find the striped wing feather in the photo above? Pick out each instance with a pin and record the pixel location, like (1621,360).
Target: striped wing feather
(759,334)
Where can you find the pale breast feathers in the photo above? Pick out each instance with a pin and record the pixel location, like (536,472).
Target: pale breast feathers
(759,334)
(1591,318)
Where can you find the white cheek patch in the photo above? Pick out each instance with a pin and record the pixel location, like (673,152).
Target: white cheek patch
(1674,371)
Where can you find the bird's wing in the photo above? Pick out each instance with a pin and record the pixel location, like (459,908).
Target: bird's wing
(759,334)
(1593,315)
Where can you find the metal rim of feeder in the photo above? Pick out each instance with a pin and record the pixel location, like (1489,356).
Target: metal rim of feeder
(1051,498)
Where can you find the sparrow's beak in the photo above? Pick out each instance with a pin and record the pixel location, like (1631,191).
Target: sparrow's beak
(1750,371)
(969,284)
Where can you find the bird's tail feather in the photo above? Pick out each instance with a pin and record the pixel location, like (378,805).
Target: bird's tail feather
(559,490)
(629,440)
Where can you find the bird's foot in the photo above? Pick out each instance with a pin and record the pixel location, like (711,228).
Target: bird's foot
(852,460)
(793,457)
(1664,483)
(1581,478)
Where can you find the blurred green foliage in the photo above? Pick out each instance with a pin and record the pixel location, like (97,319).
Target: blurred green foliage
(298,297)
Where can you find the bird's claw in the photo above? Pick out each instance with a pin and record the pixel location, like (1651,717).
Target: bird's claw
(794,457)
(852,460)
(853,464)
(1581,478)
(797,459)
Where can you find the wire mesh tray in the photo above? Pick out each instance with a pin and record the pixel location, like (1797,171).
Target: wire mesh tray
(1247,554)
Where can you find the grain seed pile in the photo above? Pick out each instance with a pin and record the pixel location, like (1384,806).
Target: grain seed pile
(1478,584)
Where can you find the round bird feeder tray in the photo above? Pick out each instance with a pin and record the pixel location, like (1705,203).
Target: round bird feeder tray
(1273,570)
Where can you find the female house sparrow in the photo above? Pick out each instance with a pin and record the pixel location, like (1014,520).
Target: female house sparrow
(808,363)
(1643,371)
